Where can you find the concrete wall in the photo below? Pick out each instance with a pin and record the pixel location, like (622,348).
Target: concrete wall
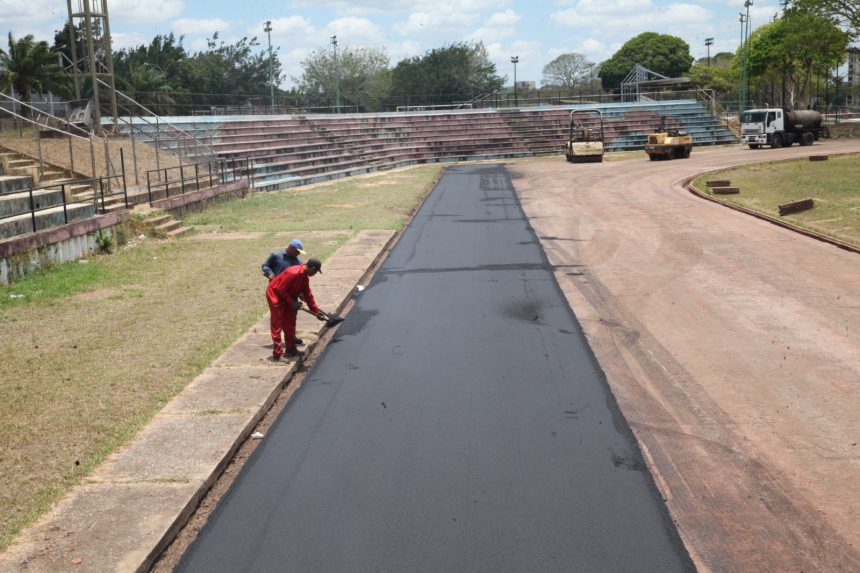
(24,254)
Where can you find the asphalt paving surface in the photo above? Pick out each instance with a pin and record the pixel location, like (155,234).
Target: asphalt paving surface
(457,422)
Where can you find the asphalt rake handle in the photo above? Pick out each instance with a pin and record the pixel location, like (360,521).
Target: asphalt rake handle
(330,319)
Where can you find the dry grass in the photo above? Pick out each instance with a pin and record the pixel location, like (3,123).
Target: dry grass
(55,152)
(91,351)
(831,184)
(375,201)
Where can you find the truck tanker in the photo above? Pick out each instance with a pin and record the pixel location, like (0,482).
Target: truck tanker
(780,127)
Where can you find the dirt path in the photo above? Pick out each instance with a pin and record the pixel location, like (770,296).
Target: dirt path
(732,345)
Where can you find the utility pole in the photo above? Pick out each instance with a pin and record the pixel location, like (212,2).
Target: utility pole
(708,43)
(268,30)
(742,83)
(514,60)
(747,4)
(337,74)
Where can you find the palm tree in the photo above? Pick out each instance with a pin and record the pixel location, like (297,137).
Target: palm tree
(30,66)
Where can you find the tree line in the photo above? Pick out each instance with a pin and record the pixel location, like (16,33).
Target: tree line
(791,55)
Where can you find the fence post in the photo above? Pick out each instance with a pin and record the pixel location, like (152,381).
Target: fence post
(166,183)
(107,162)
(33,209)
(93,157)
(182,177)
(122,167)
(65,209)
(71,154)
(149,188)
(134,158)
(41,161)
(197,176)
(157,162)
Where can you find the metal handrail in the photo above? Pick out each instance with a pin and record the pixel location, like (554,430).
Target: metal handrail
(202,144)
(97,183)
(214,170)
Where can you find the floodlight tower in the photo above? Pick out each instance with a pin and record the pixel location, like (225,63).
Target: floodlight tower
(747,4)
(708,43)
(337,74)
(92,17)
(514,61)
(268,30)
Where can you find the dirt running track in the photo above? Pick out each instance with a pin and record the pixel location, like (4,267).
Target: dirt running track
(732,345)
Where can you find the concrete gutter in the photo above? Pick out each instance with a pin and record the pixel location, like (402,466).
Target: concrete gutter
(124,515)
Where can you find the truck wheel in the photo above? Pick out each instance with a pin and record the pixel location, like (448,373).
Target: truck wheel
(754,145)
(807,138)
(776,141)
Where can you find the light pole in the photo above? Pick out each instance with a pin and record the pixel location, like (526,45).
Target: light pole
(514,60)
(337,74)
(708,43)
(742,54)
(747,4)
(268,31)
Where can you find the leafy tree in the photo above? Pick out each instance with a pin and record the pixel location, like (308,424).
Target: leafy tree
(721,80)
(567,70)
(444,75)
(164,54)
(229,68)
(797,47)
(719,60)
(148,85)
(846,11)
(364,79)
(661,53)
(30,66)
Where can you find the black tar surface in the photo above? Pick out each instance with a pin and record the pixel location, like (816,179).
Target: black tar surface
(457,422)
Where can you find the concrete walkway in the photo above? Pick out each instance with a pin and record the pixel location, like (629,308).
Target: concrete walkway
(133,505)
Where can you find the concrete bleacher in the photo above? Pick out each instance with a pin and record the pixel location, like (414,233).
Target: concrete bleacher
(22,207)
(295,150)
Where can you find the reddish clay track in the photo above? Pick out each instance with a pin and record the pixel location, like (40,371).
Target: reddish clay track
(732,345)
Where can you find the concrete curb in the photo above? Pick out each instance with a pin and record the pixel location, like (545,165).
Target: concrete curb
(129,510)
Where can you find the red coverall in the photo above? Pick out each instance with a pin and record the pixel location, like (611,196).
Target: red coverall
(282,294)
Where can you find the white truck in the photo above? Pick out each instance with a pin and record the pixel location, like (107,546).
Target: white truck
(778,127)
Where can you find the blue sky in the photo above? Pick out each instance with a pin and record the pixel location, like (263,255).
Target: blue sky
(534,30)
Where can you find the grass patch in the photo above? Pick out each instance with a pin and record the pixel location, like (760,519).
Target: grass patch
(831,184)
(92,351)
(375,201)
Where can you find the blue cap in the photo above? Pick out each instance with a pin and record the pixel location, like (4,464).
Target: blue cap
(297,244)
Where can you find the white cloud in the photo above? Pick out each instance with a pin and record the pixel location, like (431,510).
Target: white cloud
(122,40)
(355,31)
(145,11)
(438,23)
(628,18)
(14,14)
(403,50)
(206,26)
(499,25)
(291,31)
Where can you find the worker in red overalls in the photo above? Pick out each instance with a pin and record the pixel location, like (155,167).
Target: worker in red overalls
(284,295)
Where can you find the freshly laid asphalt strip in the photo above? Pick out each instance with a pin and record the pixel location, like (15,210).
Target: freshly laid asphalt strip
(456,422)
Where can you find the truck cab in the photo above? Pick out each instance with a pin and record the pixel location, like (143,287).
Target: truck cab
(759,125)
(781,127)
